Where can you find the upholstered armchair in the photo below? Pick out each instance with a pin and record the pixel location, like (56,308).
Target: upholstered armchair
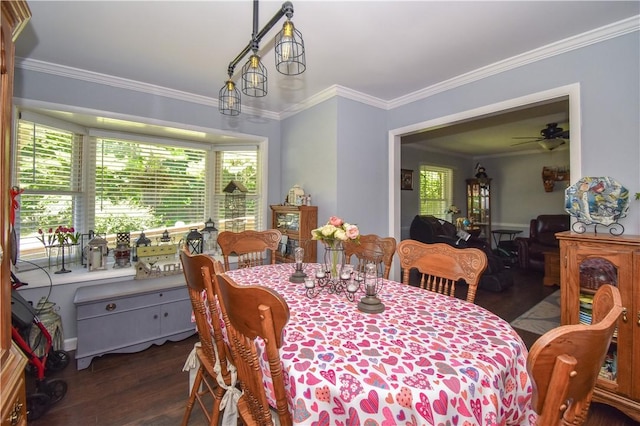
(542,238)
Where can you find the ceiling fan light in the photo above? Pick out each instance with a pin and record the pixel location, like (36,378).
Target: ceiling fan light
(551,144)
(289,50)
(229,99)
(254,78)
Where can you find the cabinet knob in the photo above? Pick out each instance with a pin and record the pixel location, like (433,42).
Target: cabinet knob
(110,307)
(166,314)
(624,314)
(638,317)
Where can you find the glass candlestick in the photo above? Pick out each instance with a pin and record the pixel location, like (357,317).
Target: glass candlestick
(298,276)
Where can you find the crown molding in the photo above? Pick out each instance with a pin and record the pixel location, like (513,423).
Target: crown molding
(591,37)
(123,83)
(331,92)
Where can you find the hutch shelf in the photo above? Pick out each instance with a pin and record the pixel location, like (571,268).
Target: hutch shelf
(588,261)
(295,223)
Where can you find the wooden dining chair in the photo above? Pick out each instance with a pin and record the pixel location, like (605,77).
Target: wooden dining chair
(372,245)
(213,374)
(252,312)
(251,247)
(441,266)
(565,362)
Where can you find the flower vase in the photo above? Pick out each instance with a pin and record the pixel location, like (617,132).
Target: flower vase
(334,258)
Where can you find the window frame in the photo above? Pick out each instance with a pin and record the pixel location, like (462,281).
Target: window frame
(88,167)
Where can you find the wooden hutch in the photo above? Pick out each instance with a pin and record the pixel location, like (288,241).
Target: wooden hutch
(295,223)
(13,405)
(587,261)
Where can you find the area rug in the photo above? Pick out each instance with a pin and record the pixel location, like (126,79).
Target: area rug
(542,317)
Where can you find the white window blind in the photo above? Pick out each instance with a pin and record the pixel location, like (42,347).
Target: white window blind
(238,166)
(48,169)
(140,186)
(435,190)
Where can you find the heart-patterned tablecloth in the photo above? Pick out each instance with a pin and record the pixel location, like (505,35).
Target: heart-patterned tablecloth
(427,359)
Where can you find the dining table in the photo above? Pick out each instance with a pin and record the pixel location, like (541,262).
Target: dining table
(427,359)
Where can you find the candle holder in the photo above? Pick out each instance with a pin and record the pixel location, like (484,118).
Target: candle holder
(298,276)
(370,303)
(346,282)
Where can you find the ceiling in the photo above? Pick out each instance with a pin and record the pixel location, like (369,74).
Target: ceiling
(385,50)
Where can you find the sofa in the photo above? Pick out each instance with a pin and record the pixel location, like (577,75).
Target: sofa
(542,238)
(430,229)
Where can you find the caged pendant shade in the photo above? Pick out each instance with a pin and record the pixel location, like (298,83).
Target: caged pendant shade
(254,77)
(289,50)
(229,99)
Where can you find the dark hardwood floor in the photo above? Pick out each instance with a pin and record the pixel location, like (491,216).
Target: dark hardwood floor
(150,388)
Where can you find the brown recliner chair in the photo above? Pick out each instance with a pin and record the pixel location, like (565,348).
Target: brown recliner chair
(541,238)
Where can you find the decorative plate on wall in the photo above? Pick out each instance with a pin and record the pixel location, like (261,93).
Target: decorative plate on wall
(599,200)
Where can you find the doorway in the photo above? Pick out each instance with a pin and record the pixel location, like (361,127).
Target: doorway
(571,92)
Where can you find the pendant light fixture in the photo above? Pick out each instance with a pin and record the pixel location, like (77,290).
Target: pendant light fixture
(289,50)
(289,57)
(229,99)
(254,77)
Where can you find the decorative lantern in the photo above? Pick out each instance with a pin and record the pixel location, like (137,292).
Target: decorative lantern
(122,252)
(142,241)
(97,252)
(194,241)
(165,239)
(372,285)
(210,237)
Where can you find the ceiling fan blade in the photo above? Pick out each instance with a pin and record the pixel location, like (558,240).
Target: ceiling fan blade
(525,142)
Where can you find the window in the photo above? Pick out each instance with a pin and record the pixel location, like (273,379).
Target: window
(435,190)
(239,166)
(48,170)
(140,186)
(113,183)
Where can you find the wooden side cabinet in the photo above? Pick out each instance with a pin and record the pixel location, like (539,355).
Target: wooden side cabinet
(586,262)
(295,223)
(13,406)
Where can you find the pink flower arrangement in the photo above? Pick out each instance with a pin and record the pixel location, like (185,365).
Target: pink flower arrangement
(336,231)
(62,235)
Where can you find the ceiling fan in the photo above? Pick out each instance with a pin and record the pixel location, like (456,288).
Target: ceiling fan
(552,137)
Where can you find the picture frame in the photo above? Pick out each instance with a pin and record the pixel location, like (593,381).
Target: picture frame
(406,179)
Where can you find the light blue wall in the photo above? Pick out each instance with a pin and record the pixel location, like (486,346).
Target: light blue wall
(333,151)
(517,192)
(610,106)
(309,153)
(362,166)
